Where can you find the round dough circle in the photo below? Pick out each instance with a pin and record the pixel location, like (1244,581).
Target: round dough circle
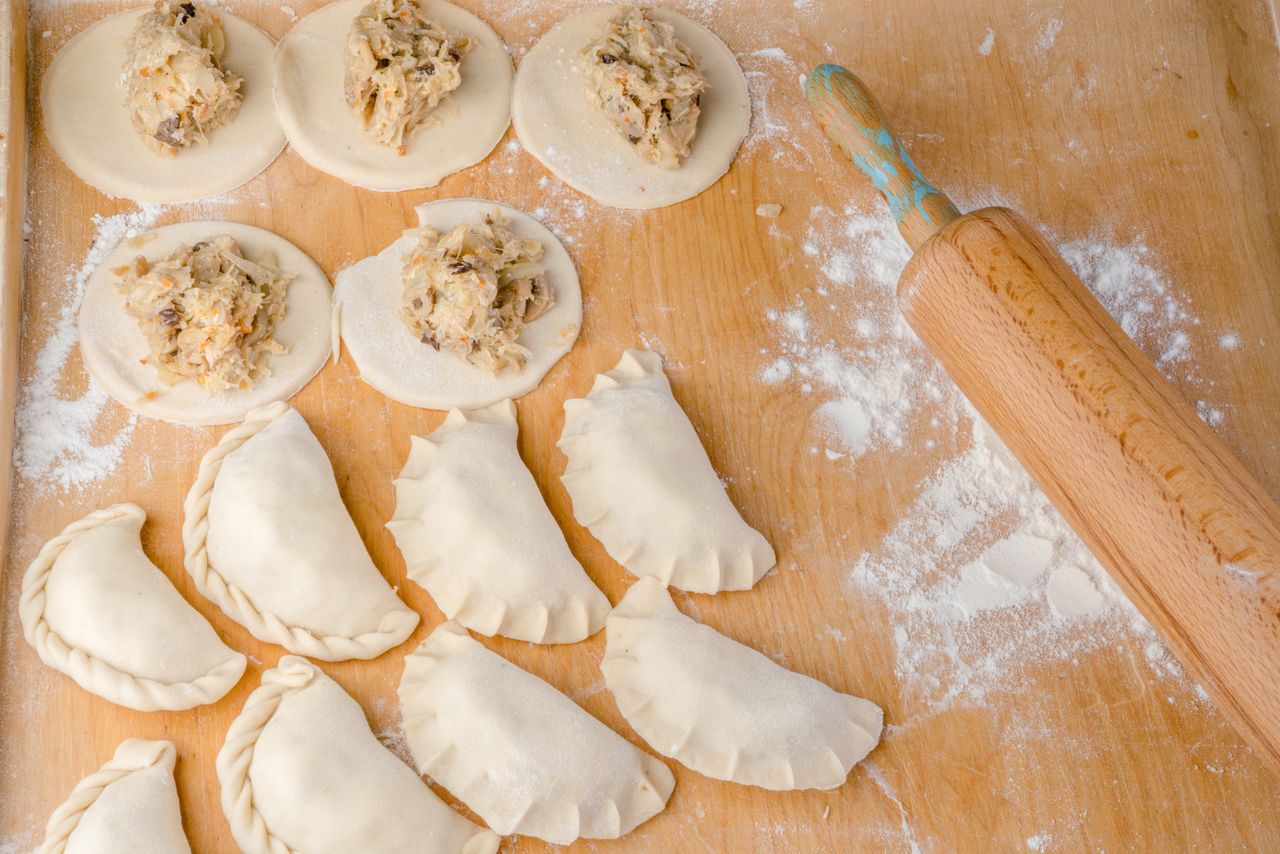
(82,97)
(460,133)
(112,343)
(369,293)
(558,124)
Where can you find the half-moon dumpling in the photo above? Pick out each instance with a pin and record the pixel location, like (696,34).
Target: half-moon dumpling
(724,709)
(301,771)
(641,482)
(269,540)
(477,535)
(94,607)
(523,756)
(129,804)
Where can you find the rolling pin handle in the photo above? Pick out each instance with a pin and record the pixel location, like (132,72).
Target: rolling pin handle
(848,114)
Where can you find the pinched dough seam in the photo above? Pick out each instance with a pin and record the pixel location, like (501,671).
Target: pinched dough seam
(134,754)
(234,601)
(90,672)
(232,764)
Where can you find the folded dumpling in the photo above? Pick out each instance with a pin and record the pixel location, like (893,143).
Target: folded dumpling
(268,539)
(523,756)
(301,771)
(96,608)
(476,533)
(129,804)
(641,482)
(724,709)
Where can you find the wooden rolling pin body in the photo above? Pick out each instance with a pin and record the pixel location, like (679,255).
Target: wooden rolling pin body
(1183,528)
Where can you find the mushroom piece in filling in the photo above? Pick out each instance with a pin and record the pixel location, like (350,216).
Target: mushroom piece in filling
(178,90)
(208,313)
(473,290)
(399,66)
(648,84)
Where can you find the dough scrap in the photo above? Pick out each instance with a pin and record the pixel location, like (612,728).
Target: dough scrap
(391,359)
(269,540)
(115,349)
(523,756)
(129,804)
(95,608)
(641,482)
(476,533)
(310,70)
(82,98)
(558,123)
(301,771)
(723,709)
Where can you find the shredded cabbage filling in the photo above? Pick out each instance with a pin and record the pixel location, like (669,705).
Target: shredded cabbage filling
(648,84)
(473,290)
(178,90)
(208,313)
(399,67)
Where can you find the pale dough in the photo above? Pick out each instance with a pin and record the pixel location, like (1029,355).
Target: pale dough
(369,294)
(523,756)
(724,709)
(301,772)
(82,99)
(460,132)
(94,607)
(476,533)
(112,343)
(130,804)
(642,483)
(558,124)
(269,540)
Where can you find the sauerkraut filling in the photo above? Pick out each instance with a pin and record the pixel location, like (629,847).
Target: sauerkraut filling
(473,290)
(178,90)
(400,65)
(208,313)
(648,84)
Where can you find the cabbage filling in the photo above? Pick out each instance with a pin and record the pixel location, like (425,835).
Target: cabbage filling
(472,290)
(178,90)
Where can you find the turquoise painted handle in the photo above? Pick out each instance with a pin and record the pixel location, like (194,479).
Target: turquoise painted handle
(845,109)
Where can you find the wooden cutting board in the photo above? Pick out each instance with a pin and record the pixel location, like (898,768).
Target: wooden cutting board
(1156,121)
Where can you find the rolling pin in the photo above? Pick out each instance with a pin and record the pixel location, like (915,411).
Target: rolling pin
(1182,527)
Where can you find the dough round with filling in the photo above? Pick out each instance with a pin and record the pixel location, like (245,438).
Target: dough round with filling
(559,125)
(112,343)
(82,98)
(459,133)
(369,295)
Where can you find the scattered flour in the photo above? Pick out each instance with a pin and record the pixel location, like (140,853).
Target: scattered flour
(988,43)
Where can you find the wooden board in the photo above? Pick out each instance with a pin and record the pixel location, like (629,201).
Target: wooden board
(1158,121)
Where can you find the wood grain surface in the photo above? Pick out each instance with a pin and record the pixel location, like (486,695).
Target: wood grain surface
(1157,122)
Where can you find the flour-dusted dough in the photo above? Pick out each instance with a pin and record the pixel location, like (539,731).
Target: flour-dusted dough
(112,343)
(82,98)
(558,124)
(130,804)
(523,756)
(460,132)
(392,360)
(724,709)
(95,608)
(269,540)
(475,532)
(641,482)
(301,772)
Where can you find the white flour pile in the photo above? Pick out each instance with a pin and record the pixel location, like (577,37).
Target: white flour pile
(981,575)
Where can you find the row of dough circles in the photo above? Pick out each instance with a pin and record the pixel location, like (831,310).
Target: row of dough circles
(554,118)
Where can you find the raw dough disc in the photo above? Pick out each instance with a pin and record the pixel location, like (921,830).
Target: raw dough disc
(112,343)
(369,293)
(461,131)
(558,124)
(83,95)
